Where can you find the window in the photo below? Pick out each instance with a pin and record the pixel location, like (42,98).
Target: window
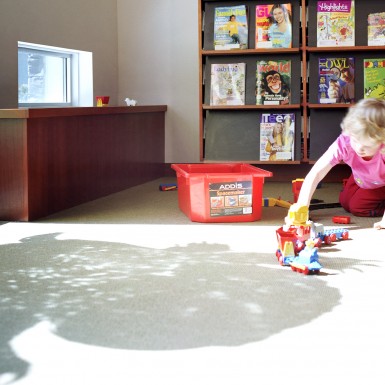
(50,76)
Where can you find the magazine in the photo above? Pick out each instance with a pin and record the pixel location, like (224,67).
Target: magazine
(374,78)
(376,29)
(273,26)
(335,23)
(273,82)
(230,28)
(336,80)
(227,84)
(277,136)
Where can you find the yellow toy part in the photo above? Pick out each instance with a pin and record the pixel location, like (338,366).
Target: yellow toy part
(270,202)
(298,215)
(288,249)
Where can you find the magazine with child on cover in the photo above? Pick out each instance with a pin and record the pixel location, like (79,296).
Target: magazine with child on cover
(230,28)
(336,81)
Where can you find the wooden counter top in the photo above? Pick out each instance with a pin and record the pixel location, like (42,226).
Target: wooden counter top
(52,159)
(23,113)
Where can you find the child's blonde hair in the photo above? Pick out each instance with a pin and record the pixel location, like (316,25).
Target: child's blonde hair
(366,119)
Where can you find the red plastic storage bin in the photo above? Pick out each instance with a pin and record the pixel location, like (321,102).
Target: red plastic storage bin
(220,192)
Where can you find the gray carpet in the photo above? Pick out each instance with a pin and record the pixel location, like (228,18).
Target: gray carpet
(127,290)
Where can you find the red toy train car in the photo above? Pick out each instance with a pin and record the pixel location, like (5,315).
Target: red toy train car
(292,240)
(343,219)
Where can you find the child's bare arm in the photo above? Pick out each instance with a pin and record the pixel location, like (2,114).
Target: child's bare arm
(315,175)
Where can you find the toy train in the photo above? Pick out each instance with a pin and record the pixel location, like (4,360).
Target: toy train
(292,239)
(330,235)
(298,242)
(307,260)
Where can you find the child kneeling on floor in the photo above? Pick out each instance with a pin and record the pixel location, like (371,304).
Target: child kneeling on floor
(361,145)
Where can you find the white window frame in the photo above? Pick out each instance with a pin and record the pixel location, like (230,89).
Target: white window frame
(79,75)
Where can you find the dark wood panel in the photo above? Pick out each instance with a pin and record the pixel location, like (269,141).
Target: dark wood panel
(13,163)
(75,159)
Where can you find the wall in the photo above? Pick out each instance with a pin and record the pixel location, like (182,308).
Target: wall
(158,64)
(88,25)
(146,50)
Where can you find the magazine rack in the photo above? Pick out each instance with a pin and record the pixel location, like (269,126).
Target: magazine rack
(231,133)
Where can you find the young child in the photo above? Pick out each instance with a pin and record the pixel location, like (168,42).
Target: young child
(361,145)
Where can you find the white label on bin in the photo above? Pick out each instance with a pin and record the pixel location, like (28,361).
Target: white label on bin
(231,198)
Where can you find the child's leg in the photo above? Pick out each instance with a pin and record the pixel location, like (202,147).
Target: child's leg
(348,191)
(362,202)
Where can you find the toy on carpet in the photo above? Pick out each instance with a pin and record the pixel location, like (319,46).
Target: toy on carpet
(297,234)
(168,186)
(269,202)
(315,204)
(296,185)
(341,219)
(307,261)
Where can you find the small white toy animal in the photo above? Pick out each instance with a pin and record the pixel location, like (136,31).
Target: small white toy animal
(130,102)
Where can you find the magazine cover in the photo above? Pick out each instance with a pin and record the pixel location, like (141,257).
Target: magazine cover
(335,23)
(336,80)
(376,28)
(273,26)
(277,137)
(227,84)
(230,27)
(273,82)
(374,78)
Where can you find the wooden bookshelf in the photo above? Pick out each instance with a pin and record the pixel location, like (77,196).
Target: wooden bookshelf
(317,125)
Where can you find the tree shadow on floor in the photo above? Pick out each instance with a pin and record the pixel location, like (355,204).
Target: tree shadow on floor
(129,297)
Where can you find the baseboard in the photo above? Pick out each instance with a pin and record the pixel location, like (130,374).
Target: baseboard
(286,173)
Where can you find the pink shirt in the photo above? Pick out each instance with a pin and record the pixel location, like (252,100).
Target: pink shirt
(368,174)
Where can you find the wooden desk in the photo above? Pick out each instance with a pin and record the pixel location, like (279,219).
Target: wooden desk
(55,158)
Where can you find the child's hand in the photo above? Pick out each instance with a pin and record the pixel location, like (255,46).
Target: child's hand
(380,225)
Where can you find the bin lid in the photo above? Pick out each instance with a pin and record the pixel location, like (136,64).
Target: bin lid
(189,169)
